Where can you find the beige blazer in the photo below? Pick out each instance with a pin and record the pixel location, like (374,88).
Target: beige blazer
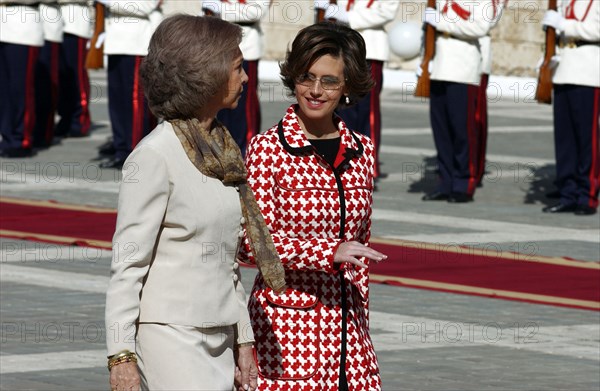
(174,247)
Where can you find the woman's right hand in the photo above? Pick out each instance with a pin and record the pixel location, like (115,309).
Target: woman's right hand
(125,377)
(350,252)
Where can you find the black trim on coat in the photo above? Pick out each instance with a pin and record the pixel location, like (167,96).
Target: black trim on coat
(350,153)
(288,147)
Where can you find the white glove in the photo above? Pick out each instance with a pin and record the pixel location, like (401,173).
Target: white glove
(101,39)
(554,61)
(338,13)
(432,16)
(419,70)
(321,4)
(213,6)
(554,19)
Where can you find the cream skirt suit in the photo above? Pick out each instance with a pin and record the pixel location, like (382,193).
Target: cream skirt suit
(175,295)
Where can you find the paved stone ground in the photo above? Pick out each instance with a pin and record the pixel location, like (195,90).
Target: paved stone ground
(52,301)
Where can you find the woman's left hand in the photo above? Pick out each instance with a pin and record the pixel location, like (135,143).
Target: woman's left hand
(246,372)
(352,251)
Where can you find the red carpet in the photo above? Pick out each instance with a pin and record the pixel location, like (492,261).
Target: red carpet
(489,273)
(555,281)
(52,222)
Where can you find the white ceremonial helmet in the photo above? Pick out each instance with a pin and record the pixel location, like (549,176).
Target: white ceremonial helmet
(405,39)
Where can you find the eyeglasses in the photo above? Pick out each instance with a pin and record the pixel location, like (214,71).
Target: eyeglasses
(327,82)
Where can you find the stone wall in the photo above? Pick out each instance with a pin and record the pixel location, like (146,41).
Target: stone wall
(517,39)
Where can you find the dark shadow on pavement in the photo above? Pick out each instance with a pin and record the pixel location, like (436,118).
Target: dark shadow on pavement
(540,184)
(429,177)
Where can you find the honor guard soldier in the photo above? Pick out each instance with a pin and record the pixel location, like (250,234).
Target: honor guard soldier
(128,26)
(577,105)
(244,121)
(485,44)
(74,91)
(21,37)
(455,77)
(47,75)
(369,18)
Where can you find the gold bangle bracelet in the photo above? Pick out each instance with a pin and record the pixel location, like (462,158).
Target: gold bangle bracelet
(122,353)
(121,357)
(245,344)
(112,363)
(121,361)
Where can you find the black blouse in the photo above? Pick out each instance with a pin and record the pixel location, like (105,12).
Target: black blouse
(327,148)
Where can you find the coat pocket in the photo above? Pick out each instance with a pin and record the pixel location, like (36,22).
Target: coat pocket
(289,339)
(291,298)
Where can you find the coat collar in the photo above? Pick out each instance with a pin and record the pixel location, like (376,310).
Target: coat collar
(295,142)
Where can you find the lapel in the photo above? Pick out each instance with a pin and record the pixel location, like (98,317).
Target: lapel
(294,141)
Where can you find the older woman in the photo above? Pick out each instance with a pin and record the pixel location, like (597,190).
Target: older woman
(313,180)
(175,304)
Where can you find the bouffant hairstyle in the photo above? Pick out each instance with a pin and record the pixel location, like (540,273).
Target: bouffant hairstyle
(338,41)
(188,62)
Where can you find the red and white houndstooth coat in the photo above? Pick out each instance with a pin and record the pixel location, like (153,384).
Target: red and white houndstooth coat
(310,209)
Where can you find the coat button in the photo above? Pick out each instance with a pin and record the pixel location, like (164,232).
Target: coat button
(237,188)
(236,265)
(242,221)
(235,278)
(241,234)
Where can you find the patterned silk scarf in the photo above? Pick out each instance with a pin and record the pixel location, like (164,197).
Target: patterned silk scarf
(215,154)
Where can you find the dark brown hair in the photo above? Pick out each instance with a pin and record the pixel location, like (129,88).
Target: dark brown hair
(338,41)
(188,62)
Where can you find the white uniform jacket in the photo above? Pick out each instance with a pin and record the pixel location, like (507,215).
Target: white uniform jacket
(580,57)
(248,15)
(457,53)
(485,46)
(52,22)
(369,18)
(78,17)
(129,25)
(174,247)
(21,24)
(485,42)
